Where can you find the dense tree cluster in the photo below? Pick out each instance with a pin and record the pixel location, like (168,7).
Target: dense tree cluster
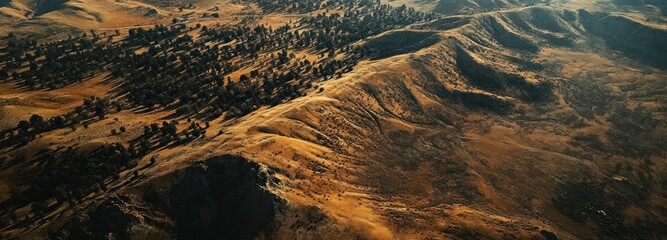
(336,31)
(165,134)
(164,67)
(56,64)
(304,6)
(203,89)
(69,175)
(93,108)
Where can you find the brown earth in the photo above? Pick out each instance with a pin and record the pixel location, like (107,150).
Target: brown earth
(512,122)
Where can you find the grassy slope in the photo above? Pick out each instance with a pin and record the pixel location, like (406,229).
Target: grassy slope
(384,155)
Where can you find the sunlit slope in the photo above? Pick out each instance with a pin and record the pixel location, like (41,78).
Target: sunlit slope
(62,17)
(529,122)
(82,12)
(499,118)
(510,125)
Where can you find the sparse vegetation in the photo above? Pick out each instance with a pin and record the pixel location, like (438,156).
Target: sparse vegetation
(370,120)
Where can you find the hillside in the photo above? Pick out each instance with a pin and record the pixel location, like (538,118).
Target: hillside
(334,120)
(60,18)
(468,7)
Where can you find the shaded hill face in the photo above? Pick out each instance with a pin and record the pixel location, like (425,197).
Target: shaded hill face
(57,19)
(476,6)
(631,38)
(43,7)
(457,7)
(31,8)
(36,7)
(400,42)
(347,122)
(638,3)
(221,196)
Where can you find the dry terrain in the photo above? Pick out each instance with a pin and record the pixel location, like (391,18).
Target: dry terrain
(462,119)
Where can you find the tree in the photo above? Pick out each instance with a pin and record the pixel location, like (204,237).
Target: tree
(24,126)
(118,106)
(35,119)
(57,121)
(164,140)
(132,150)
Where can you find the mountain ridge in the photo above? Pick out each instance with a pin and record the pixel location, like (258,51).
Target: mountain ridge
(530,122)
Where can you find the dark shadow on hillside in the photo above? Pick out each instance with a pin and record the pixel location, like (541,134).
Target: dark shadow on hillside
(46,6)
(635,40)
(222,196)
(400,42)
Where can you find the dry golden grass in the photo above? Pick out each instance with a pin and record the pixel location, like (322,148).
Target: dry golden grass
(18,103)
(373,150)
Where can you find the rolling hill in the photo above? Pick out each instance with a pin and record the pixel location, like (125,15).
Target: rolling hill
(471,119)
